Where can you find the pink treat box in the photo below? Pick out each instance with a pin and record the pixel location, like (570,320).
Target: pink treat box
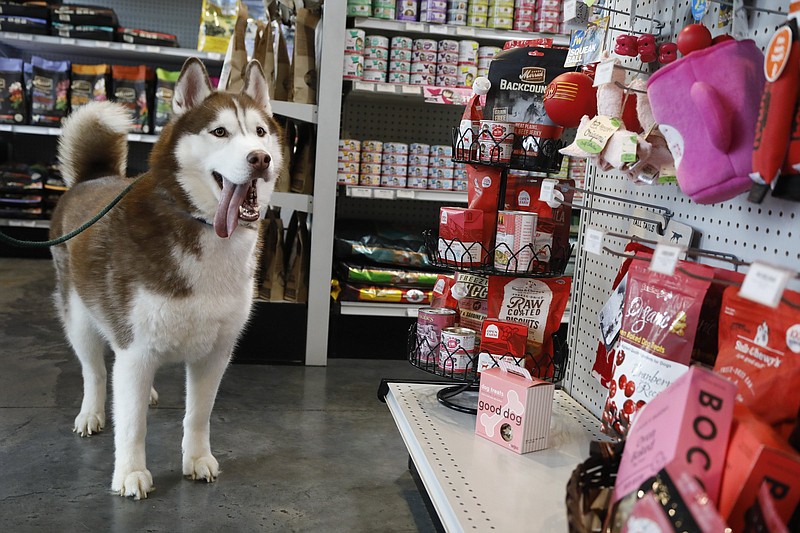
(514,408)
(687,425)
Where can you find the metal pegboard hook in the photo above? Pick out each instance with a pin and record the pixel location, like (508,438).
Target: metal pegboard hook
(656,23)
(751,8)
(730,283)
(663,211)
(692,252)
(629,89)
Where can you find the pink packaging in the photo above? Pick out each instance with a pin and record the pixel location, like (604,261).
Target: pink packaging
(514,408)
(687,426)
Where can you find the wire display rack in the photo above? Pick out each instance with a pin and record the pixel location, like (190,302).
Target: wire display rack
(511,151)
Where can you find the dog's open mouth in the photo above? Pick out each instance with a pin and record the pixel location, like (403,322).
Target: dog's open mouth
(237,202)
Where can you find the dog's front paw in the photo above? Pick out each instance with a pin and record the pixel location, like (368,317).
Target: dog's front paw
(134,484)
(205,467)
(153,397)
(89,422)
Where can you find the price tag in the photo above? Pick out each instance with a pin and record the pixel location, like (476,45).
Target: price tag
(439,29)
(6,127)
(363,86)
(54,131)
(25,37)
(384,194)
(67,40)
(415,27)
(134,137)
(570,9)
(593,240)
(22,223)
(665,258)
(410,89)
(699,8)
(465,30)
(385,88)
(216,56)
(604,73)
(360,192)
(765,284)
(406,194)
(412,312)
(103,44)
(152,49)
(129,46)
(547,192)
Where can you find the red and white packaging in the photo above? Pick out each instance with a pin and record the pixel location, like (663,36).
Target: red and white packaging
(442,296)
(757,455)
(537,303)
(501,340)
(516,231)
(659,324)
(483,192)
(467,145)
(471,290)
(686,427)
(460,236)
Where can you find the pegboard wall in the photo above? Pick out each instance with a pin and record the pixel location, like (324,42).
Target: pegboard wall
(766,232)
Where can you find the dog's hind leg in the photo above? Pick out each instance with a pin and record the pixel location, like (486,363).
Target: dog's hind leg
(90,347)
(132,381)
(202,381)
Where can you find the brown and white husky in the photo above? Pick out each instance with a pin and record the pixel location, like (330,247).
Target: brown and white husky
(168,274)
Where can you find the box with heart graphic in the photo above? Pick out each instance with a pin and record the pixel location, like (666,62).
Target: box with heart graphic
(514,408)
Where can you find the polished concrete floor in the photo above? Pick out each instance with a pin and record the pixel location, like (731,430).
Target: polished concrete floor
(300,448)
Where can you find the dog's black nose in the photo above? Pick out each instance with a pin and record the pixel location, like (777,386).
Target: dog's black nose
(259,159)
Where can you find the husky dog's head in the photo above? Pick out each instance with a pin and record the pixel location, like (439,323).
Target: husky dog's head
(227,146)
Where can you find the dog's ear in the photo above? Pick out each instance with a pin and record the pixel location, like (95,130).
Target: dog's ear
(255,85)
(192,86)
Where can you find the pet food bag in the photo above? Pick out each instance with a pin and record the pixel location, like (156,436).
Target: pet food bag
(659,325)
(13,101)
(537,303)
(48,91)
(89,84)
(272,278)
(471,292)
(217,22)
(165,87)
(304,67)
(519,78)
(297,256)
(130,90)
(283,66)
(302,165)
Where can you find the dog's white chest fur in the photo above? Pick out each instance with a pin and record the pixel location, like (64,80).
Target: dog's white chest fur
(222,285)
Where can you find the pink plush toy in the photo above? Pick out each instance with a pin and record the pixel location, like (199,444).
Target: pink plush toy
(626,45)
(708,116)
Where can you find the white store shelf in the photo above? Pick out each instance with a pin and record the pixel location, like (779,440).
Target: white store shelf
(465,32)
(21,223)
(293,201)
(387,193)
(476,485)
(43,130)
(380,309)
(106,50)
(304,112)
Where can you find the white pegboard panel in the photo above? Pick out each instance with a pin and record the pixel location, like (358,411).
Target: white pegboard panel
(767,232)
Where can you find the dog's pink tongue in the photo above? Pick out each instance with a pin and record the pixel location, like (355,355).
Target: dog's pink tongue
(227,216)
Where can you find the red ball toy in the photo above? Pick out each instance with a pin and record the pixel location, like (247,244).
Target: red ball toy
(569,97)
(692,38)
(722,38)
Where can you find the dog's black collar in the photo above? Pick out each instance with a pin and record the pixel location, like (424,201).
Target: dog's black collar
(204,221)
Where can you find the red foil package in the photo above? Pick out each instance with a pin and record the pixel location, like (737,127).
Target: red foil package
(537,303)
(501,339)
(759,350)
(460,236)
(655,345)
(483,193)
(442,297)
(471,290)
(551,243)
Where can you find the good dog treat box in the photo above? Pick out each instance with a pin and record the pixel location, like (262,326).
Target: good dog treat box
(514,408)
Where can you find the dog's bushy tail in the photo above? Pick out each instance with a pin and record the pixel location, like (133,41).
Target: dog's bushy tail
(94,142)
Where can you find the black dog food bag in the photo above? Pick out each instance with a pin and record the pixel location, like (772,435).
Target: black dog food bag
(13,101)
(519,79)
(49,91)
(131,90)
(89,84)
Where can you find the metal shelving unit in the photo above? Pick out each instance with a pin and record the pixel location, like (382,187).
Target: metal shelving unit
(386,193)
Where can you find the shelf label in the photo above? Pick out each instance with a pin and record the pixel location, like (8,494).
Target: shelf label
(215,56)
(360,192)
(415,26)
(465,30)
(67,40)
(406,194)
(593,240)
(54,131)
(129,46)
(410,89)
(103,44)
(548,191)
(21,223)
(665,258)
(604,73)
(385,88)
(440,29)
(765,284)
(363,86)
(152,49)
(570,9)
(384,194)
(6,127)
(134,137)
(25,37)
(412,312)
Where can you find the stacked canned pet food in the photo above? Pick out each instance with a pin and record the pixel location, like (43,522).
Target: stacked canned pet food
(399,165)
(384,9)
(548,16)
(376,58)
(359,8)
(524,11)
(485,56)
(434,11)
(354,54)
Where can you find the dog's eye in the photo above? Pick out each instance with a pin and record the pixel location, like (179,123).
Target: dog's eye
(260,131)
(219,132)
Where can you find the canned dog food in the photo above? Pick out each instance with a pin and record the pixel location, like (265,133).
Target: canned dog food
(491,151)
(516,231)
(357,10)
(376,41)
(395,159)
(440,184)
(476,21)
(478,9)
(417,171)
(400,54)
(354,41)
(492,130)
(419,149)
(372,146)
(374,52)
(399,77)
(442,150)
(500,11)
(461,5)
(499,23)
(424,45)
(424,68)
(402,43)
(440,173)
(447,57)
(384,12)
(523,25)
(352,145)
(407,10)
(347,167)
(447,45)
(430,323)
(388,169)
(457,17)
(446,69)
(466,74)
(468,51)
(369,180)
(347,179)
(421,160)
(373,158)
(441,161)
(350,156)
(400,66)
(376,76)
(423,56)
(446,81)
(370,168)
(459,185)
(457,353)
(422,79)
(375,64)
(395,148)
(417,182)
(353,66)
(393,181)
